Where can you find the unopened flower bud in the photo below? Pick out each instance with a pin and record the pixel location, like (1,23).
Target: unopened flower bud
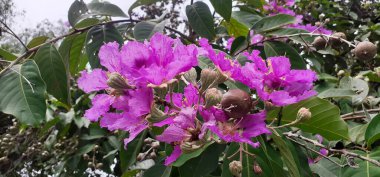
(319,43)
(99,165)
(191,76)
(213,97)
(257,169)
(86,157)
(365,50)
(153,155)
(335,39)
(341,73)
(140,157)
(268,105)
(236,103)
(303,114)
(90,164)
(156,115)
(208,76)
(235,168)
(377,71)
(116,81)
(321,16)
(148,140)
(155,144)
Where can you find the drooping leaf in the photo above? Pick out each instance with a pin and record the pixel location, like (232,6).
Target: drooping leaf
(372,133)
(158,170)
(325,118)
(105,8)
(223,7)
(22,93)
(71,51)
(96,37)
(7,55)
(145,29)
(273,22)
(200,19)
(277,48)
(37,41)
(54,72)
(77,9)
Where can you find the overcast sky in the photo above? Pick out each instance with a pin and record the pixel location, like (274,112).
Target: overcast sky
(53,10)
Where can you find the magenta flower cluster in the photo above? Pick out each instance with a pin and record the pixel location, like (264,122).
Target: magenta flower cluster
(132,76)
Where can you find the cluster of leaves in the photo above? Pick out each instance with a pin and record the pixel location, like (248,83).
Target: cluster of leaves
(41,93)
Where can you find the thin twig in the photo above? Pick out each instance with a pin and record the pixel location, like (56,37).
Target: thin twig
(341,151)
(361,112)
(14,34)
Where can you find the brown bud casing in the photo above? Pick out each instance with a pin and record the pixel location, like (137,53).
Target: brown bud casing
(236,103)
(365,50)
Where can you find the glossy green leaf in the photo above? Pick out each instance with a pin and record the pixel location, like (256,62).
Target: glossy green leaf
(325,168)
(282,49)
(71,51)
(158,170)
(7,55)
(336,93)
(223,7)
(87,22)
(357,85)
(273,22)
(246,18)
(128,156)
(204,164)
(53,72)
(287,155)
(235,28)
(372,133)
(325,118)
(37,41)
(22,93)
(105,8)
(239,44)
(201,20)
(96,37)
(77,9)
(145,29)
(138,3)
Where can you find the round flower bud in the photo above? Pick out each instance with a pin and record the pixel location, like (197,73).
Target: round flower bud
(188,147)
(99,165)
(319,43)
(336,38)
(155,144)
(208,76)
(377,71)
(341,73)
(156,115)
(236,103)
(116,81)
(256,168)
(191,76)
(365,50)
(213,97)
(236,168)
(303,114)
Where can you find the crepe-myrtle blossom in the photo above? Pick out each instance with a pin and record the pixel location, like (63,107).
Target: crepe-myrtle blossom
(274,80)
(235,130)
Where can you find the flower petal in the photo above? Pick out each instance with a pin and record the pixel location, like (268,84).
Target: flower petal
(93,81)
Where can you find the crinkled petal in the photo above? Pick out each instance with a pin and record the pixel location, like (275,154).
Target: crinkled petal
(100,105)
(93,81)
(185,118)
(161,46)
(172,134)
(133,133)
(280,66)
(140,101)
(282,98)
(109,56)
(173,156)
(191,95)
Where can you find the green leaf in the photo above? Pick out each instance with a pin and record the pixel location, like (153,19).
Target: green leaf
(158,170)
(289,31)
(22,93)
(365,168)
(145,29)
(205,62)
(246,18)
(273,22)
(71,51)
(201,20)
(96,37)
(37,41)
(204,164)
(53,72)
(105,8)
(325,168)
(287,155)
(223,7)
(240,43)
(237,85)
(372,133)
(277,48)
(85,149)
(185,157)
(235,28)
(336,93)
(76,10)
(87,22)
(7,55)
(357,133)
(140,3)
(357,85)
(325,119)
(128,156)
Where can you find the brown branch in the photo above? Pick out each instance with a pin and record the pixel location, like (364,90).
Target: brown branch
(340,151)
(361,112)
(10,31)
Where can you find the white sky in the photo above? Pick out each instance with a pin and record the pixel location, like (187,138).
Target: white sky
(53,10)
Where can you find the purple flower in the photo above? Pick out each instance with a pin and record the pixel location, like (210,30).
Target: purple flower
(229,43)
(219,59)
(323,151)
(238,130)
(160,60)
